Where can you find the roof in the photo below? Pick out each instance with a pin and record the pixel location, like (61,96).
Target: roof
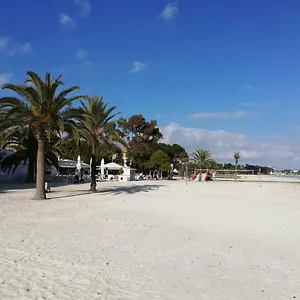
(113,166)
(72,164)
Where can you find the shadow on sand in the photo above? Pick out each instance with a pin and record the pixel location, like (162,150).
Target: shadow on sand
(10,186)
(133,189)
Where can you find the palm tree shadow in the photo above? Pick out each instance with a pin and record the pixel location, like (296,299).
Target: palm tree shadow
(130,189)
(133,189)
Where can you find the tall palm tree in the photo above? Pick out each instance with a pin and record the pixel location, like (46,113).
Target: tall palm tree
(42,109)
(237,156)
(96,128)
(203,159)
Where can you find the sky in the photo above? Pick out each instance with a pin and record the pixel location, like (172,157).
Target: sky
(215,74)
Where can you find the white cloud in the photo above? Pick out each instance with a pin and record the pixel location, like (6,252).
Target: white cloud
(4,78)
(222,144)
(170,11)
(85,8)
(81,53)
(11,48)
(219,115)
(138,66)
(66,20)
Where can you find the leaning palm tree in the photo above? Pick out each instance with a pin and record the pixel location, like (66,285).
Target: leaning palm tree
(203,159)
(237,156)
(42,109)
(96,128)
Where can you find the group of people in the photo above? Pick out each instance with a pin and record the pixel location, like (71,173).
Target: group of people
(208,175)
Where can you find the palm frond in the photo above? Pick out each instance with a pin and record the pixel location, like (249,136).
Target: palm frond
(13,161)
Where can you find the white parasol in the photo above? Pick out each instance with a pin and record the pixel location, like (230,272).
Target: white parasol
(102,168)
(78,167)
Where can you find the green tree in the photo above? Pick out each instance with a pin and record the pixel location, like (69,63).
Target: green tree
(42,109)
(203,159)
(159,161)
(138,136)
(96,129)
(237,156)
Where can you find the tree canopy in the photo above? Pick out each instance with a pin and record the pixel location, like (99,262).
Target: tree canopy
(159,161)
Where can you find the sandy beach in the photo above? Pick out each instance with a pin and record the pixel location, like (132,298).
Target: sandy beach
(152,240)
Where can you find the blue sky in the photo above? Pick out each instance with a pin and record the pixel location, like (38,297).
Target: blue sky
(211,72)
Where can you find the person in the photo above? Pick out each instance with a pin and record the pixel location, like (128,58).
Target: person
(208,175)
(47,187)
(76,178)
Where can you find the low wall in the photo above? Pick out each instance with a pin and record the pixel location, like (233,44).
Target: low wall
(262,178)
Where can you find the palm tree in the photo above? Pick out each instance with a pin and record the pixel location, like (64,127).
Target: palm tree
(25,145)
(96,128)
(42,109)
(237,156)
(203,159)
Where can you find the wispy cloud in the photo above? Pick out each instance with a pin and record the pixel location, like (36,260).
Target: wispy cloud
(248,104)
(25,48)
(3,43)
(81,53)
(138,66)
(4,78)
(85,8)
(66,20)
(88,63)
(250,87)
(219,115)
(169,11)
(11,48)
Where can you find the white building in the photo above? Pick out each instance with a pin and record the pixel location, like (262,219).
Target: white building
(112,172)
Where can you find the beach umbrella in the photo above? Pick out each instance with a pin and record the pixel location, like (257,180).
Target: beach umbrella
(78,166)
(102,168)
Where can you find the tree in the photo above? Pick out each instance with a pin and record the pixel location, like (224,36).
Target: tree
(159,161)
(203,159)
(236,157)
(42,109)
(138,137)
(25,145)
(95,128)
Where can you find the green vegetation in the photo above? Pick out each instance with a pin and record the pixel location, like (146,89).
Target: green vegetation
(94,127)
(38,107)
(41,122)
(159,161)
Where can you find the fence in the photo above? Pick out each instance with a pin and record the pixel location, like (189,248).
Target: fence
(226,174)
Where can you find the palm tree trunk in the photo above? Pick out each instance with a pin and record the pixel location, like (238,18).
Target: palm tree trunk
(93,174)
(236,166)
(200,179)
(40,193)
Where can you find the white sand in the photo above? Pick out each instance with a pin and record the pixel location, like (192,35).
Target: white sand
(216,240)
